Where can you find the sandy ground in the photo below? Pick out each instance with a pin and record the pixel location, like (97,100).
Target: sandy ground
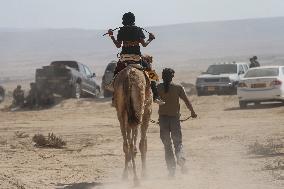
(216,144)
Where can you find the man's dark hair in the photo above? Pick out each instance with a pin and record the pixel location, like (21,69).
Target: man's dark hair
(167,76)
(128,19)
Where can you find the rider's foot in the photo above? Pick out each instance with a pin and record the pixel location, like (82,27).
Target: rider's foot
(159,101)
(112,102)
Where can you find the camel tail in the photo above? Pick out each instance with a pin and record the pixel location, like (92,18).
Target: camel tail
(133,118)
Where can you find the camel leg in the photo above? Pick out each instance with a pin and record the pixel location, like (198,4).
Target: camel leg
(125,146)
(126,160)
(135,134)
(133,154)
(143,140)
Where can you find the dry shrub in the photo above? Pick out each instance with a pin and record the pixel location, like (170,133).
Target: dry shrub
(276,167)
(51,141)
(19,134)
(271,147)
(277,164)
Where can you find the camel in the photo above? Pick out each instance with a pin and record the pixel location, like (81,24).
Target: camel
(133,103)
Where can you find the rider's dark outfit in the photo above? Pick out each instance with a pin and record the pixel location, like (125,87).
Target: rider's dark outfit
(130,37)
(130,34)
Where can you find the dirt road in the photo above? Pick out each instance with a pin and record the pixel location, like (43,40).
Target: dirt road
(217,145)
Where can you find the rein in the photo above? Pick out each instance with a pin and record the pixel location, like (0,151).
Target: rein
(121,27)
(181,120)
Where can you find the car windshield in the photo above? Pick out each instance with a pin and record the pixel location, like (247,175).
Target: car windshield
(222,69)
(111,67)
(264,72)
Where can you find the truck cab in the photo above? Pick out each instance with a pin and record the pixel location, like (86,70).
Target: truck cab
(67,78)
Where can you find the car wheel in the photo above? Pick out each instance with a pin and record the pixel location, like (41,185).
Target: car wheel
(243,104)
(98,91)
(199,93)
(76,91)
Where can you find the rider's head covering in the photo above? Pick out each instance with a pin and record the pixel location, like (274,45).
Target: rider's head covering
(254,57)
(19,86)
(168,74)
(128,19)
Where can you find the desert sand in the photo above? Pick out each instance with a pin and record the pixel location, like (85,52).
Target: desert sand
(217,145)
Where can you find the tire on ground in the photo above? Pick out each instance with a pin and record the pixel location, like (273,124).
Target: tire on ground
(243,104)
(76,91)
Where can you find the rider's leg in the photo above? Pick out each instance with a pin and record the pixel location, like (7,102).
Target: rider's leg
(156,97)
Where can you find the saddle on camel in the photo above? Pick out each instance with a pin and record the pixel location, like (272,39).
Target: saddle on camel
(132,96)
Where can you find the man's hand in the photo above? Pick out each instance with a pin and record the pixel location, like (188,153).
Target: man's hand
(151,36)
(193,114)
(110,32)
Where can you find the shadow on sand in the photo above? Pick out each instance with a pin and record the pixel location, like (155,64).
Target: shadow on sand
(83,185)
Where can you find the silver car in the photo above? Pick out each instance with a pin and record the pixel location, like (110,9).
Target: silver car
(107,78)
(262,84)
(221,79)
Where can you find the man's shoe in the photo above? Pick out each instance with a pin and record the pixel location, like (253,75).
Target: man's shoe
(181,163)
(159,101)
(112,102)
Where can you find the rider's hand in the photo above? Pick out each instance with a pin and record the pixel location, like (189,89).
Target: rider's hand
(193,114)
(110,32)
(151,36)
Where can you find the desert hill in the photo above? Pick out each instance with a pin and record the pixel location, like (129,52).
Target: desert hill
(194,44)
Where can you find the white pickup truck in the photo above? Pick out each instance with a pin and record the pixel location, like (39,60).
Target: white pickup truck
(221,79)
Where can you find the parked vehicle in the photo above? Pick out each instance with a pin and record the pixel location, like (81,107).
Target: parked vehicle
(2,94)
(221,78)
(69,79)
(107,78)
(262,84)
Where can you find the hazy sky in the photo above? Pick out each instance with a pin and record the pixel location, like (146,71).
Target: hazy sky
(101,14)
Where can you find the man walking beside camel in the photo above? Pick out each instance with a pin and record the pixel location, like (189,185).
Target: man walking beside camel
(169,120)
